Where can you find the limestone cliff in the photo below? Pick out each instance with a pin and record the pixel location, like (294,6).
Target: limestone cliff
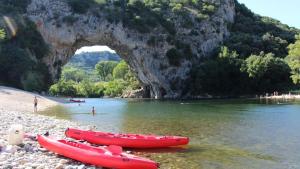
(149,54)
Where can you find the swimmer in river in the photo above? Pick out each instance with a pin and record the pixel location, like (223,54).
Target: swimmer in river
(93,111)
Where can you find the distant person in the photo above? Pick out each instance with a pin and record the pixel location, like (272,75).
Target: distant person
(93,111)
(35,103)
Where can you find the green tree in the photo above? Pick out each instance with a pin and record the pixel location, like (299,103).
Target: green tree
(121,70)
(33,81)
(293,60)
(219,76)
(84,88)
(98,90)
(20,55)
(105,69)
(267,72)
(63,88)
(72,73)
(14,63)
(115,88)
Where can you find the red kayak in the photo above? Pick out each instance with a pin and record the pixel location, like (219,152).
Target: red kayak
(77,101)
(111,157)
(127,140)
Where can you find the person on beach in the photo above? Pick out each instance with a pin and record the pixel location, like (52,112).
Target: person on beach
(93,111)
(35,102)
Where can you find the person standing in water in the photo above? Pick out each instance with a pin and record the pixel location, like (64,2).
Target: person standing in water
(93,111)
(35,102)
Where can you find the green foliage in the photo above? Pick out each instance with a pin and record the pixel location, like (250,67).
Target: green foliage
(293,60)
(63,88)
(115,88)
(72,73)
(84,88)
(241,66)
(251,34)
(14,62)
(2,34)
(30,39)
(21,56)
(258,65)
(201,16)
(98,90)
(226,53)
(76,82)
(145,15)
(33,81)
(182,51)
(208,8)
(267,72)
(229,75)
(177,8)
(105,69)
(219,76)
(121,70)
(101,2)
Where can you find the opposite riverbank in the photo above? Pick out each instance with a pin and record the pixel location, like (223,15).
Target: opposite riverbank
(282,96)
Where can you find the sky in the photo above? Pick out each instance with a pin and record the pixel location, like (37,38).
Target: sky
(287,11)
(94,49)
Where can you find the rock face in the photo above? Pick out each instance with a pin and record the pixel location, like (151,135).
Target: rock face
(65,32)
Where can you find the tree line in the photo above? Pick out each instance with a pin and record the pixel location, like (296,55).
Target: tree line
(115,79)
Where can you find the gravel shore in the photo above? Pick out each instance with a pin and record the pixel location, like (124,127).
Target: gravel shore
(16,107)
(29,155)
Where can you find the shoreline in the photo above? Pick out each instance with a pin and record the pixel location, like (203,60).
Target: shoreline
(283,96)
(12,99)
(30,155)
(16,107)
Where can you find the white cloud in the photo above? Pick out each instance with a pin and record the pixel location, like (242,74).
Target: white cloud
(94,49)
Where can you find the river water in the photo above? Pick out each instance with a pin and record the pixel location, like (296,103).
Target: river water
(224,134)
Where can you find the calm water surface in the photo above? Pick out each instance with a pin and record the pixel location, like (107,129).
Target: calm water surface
(225,134)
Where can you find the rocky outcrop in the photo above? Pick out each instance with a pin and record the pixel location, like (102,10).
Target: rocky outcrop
(65,32)
(139,93)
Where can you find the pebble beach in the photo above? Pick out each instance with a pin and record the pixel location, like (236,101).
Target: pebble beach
(16,107)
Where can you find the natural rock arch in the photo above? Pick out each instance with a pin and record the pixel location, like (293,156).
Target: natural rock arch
(65,32)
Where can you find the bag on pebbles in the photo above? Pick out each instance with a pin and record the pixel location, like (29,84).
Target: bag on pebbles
(15,134)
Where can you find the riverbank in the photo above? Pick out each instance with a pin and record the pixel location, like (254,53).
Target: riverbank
(283,96)
(30,155)
(12,99)
(15,108)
